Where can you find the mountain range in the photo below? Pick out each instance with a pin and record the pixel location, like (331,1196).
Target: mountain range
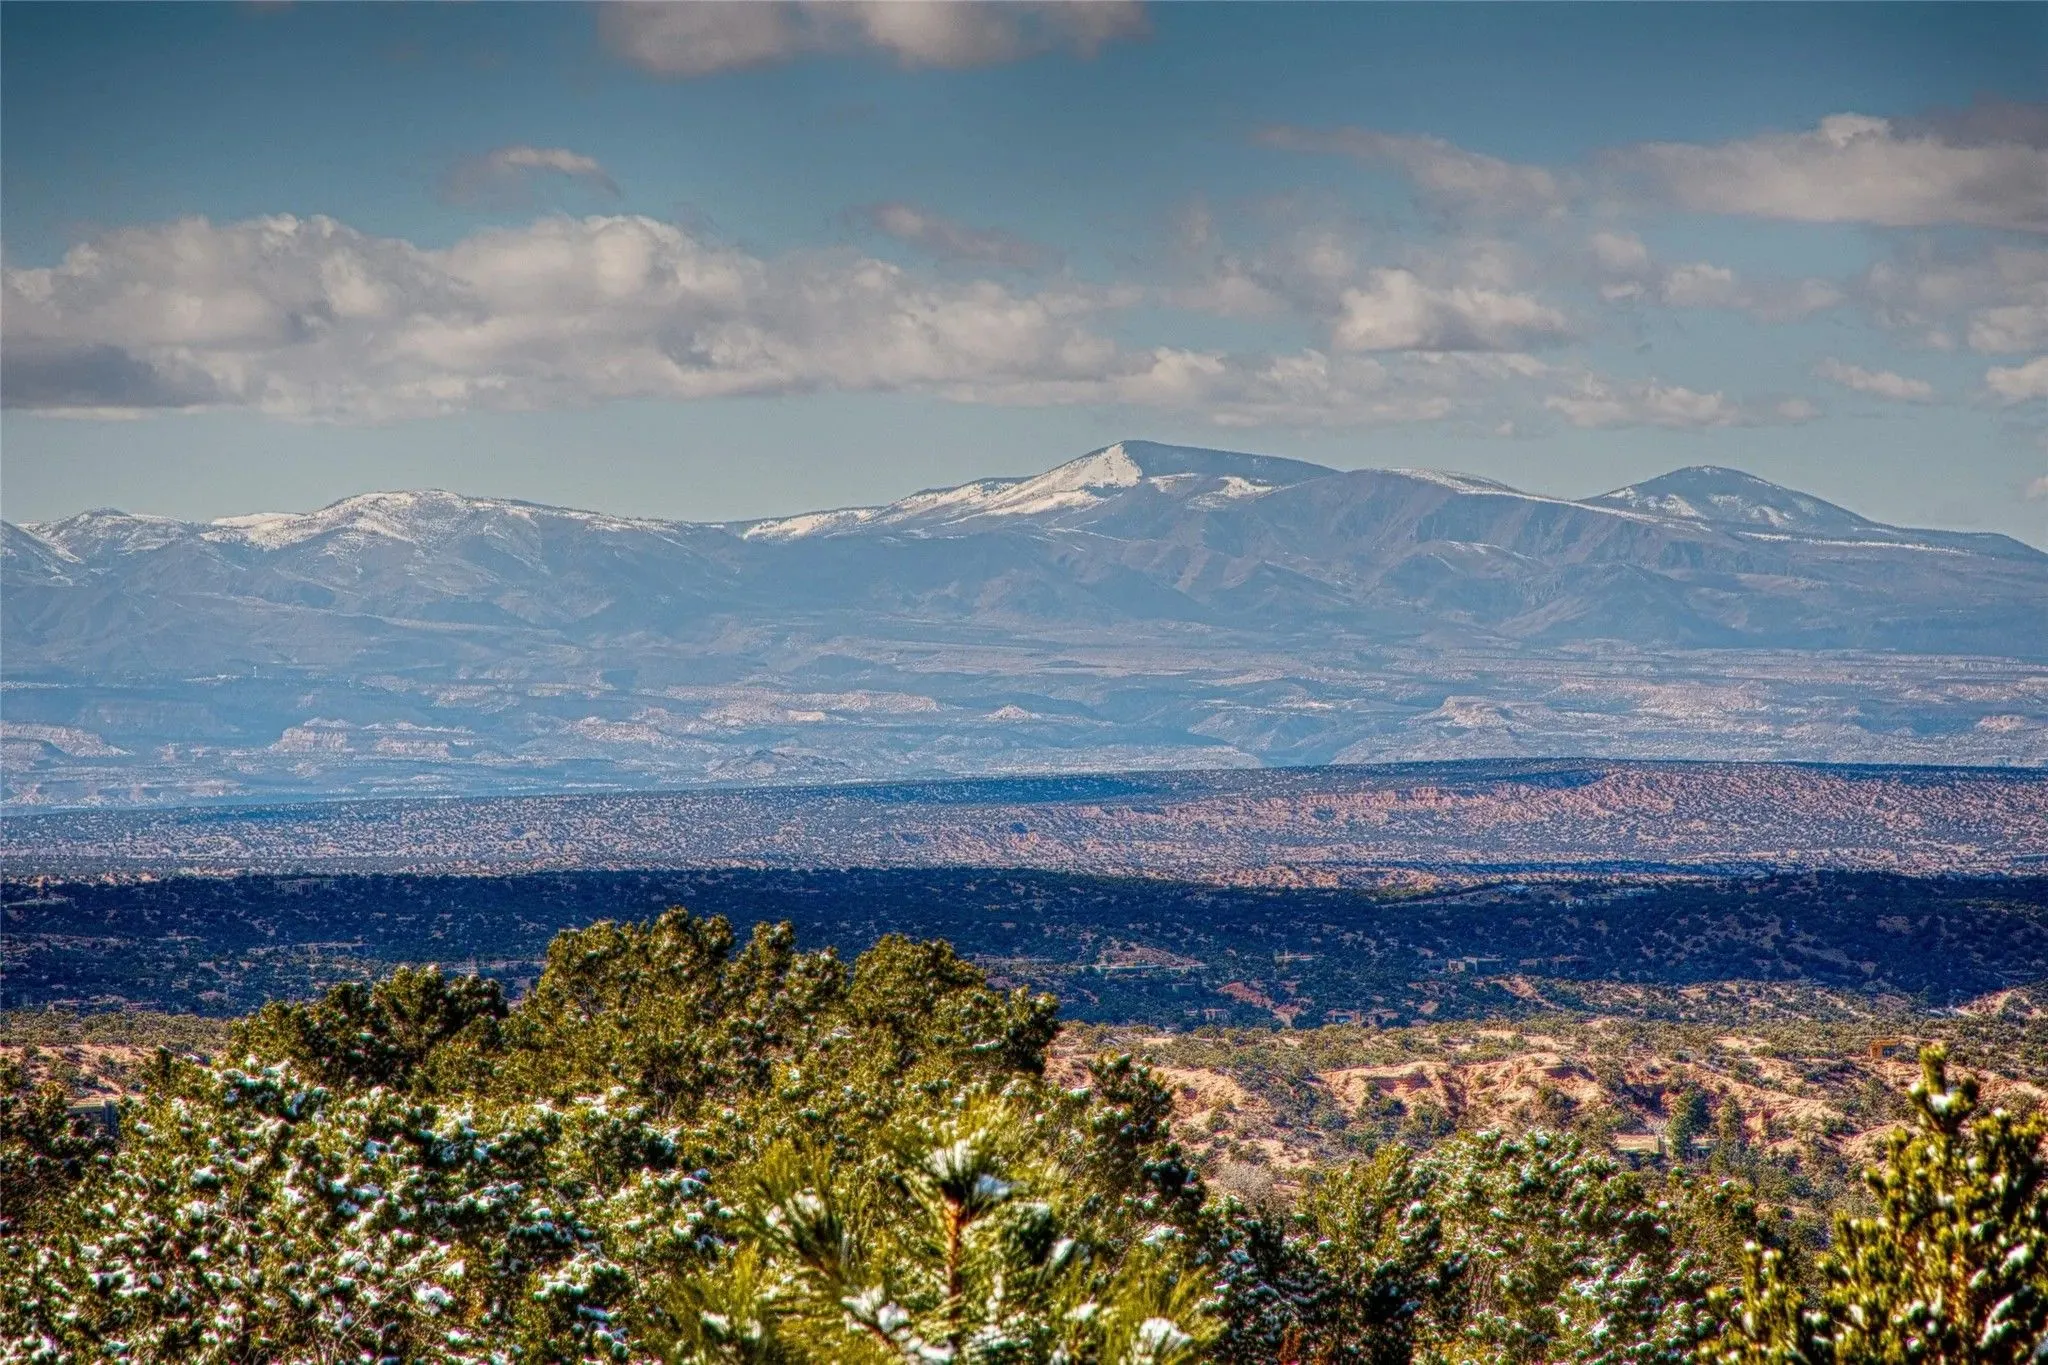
(1143,605)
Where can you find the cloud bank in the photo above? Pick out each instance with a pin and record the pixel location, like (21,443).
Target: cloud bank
(1855,169)
(307,318)
(1986,167)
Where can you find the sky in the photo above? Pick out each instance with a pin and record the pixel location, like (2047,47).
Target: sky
(724,261)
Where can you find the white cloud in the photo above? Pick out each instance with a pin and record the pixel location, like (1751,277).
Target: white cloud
(1700,285)
(307,318)
(2010,327)
(2018,383)
(1314,388)
(1447,176)
(1621,254)
(1630,274)
(1881,383)
(1302,270)
(1987,167)
(1395,310)
(1462,293)
(685,38)
(1855,169)
(507,174)
(2037,491)
(1995,302)
(949,238)
(1594,401)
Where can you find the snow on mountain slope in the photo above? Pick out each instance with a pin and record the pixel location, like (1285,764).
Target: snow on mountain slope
(1211,475)
(26,557)
(1131,531)
(107,532)
(425,517)
(1759,509)
(1728,496)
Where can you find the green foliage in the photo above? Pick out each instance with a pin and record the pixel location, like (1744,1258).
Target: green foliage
(1566,1257)
(44,1151)
(1361,1278)
(257,1215)
(977,1245)
(620,1168)
(1953,1266)
(1488,1249)
(1690,1118)
(686,1150)
(385,1034)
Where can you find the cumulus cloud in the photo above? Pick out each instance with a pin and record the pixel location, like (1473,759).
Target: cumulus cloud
(1856,169)
(509,174)
(948,238)
(1987,122)
(1315,388)
(308,318)
(1594,401)
(1395,310)
(1982,167)
(1302,270)
(1994,301)
(2019,383)
(1629,273)
(1621,254)
(1879,383)
(1462,293)
(1448,177)
(686,38)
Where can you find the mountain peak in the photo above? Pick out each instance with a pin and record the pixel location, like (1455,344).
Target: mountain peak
(1157,460)
(1716,493)
(424,515)
(1075,486)
(86,535)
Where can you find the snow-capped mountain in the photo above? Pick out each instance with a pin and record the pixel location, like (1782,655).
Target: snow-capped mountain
(1182,473)
(1729,497)
(1035,621)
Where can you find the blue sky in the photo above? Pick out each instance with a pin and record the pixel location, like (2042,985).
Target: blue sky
(729,261)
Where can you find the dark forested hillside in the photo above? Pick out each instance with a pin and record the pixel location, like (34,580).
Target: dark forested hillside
(1113,949)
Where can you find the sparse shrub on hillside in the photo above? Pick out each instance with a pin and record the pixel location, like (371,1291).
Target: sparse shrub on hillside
(1691,1116)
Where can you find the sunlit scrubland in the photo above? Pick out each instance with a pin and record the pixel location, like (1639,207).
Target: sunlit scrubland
(675,1148)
